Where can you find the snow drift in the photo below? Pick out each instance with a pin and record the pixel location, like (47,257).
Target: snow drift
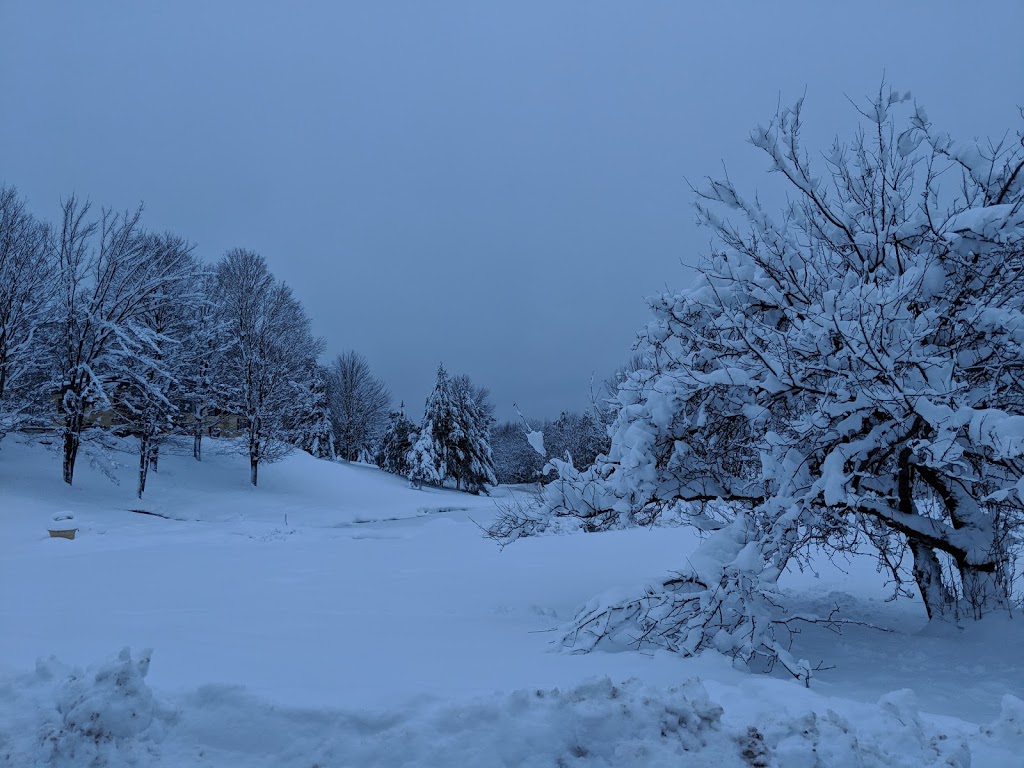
(108,716)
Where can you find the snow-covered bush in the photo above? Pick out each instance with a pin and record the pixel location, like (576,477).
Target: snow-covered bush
(851,370)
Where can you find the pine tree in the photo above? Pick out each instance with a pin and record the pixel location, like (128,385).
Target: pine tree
(399,438)
(315,430)
(474,465)
(434,454)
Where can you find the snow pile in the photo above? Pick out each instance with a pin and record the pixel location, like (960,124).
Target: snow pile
(106,716)
(109,717)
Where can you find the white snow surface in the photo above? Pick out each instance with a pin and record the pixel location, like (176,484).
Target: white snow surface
(536,440)
(336,617)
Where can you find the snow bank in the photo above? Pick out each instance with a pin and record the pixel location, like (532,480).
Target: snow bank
(109,717)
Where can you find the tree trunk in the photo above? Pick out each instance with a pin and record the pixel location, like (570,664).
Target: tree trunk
(72,439)
(143,464)
(154,455)
(197,436)
(3,368)
(254,450)
(198,441)
(938,601)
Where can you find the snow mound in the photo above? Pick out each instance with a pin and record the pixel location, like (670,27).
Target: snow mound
(105,716)
(108,717)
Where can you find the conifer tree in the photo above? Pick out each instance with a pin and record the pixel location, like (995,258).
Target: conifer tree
(433,455)
(474,465)
(399,438)
(315,429)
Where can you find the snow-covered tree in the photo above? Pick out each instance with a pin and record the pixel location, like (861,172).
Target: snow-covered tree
(433,453)
(107,281)
(26,294)
(453,442)
(472,467)
(399,438)
(359,406)
(267,358)
(604,402)
(851,368)
(149,385)
(316,428)
(205,340)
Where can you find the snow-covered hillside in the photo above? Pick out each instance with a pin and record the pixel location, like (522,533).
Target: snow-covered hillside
(334,616)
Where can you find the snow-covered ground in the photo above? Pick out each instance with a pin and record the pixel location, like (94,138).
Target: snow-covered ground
(336,617)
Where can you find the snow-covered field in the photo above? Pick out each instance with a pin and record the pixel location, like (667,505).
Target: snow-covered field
(336,617)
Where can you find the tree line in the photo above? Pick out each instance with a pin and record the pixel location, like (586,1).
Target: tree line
(109,328)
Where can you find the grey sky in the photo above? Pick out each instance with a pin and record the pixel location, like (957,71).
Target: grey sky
(494,185)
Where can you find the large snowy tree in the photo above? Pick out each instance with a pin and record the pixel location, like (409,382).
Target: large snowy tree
(108,281)
(399,437)
(433,453)
(26,298)
(149,385)
(315,426)
(852,368)
(266,363)
(453,442)
(473,467)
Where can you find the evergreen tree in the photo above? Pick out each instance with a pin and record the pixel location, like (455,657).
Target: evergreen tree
(434,454)
(399,438)
(315,428)
(473,466)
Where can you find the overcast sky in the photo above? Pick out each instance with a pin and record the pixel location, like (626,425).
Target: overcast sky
(493,185)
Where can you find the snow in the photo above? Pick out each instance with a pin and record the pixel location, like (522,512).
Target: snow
(536,441)
(335,616)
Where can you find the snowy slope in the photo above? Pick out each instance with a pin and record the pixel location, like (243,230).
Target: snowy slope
(375,626)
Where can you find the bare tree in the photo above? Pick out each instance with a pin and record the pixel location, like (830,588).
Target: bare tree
(359,403)
(201,394)
(26,293)
(268,355)
(149,388)
(107,280)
